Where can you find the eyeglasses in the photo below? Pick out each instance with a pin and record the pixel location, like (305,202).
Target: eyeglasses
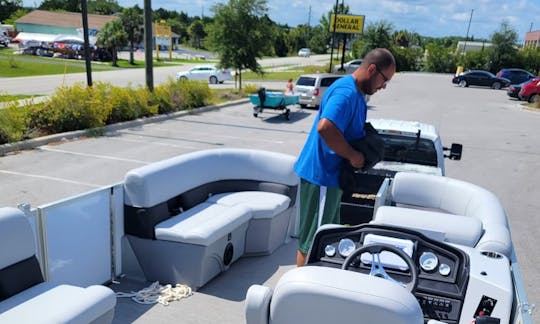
(382,74)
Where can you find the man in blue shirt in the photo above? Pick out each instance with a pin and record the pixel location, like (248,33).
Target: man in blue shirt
(341,118)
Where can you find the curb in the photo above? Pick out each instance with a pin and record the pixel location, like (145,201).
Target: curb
(40,141)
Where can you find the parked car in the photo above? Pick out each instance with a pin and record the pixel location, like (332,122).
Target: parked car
(530,91)
(4,40)
(305,52)
(514,89)
(480,78)
(516,76)
(311,87)
(209,73)
(348,67)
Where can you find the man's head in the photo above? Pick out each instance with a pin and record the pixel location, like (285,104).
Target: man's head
(377,68)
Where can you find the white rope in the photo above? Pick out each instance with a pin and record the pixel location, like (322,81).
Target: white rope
(156,293)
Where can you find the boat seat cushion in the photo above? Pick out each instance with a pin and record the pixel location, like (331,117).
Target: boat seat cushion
(454,228)
(262,204)
(314,295)
(51,303)
(203,224)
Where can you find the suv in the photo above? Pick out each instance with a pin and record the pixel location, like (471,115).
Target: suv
(311,87)
(516,76)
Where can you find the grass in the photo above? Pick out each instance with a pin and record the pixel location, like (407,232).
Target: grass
(29,65)
(6,97)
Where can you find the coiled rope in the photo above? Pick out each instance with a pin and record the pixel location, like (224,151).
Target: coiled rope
(156,293)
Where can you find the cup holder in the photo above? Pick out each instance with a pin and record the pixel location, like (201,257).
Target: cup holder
(492,255)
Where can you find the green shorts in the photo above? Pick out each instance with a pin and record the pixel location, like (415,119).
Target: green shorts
(309,211)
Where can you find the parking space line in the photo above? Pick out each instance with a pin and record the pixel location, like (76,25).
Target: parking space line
(98,156)
(93,185)
(152,143)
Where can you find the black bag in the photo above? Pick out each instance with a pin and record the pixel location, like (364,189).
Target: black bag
(372,146)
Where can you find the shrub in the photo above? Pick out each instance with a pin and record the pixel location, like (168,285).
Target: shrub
(70,108)
(12,124)
(180,95)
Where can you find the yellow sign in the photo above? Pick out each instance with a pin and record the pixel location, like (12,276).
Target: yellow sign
(348,24)
(162,30)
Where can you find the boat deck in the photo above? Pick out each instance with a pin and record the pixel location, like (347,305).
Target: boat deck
(220,301)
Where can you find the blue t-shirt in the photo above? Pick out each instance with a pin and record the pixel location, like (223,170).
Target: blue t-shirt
(345,107)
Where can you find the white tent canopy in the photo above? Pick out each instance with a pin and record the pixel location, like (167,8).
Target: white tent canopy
(49,38)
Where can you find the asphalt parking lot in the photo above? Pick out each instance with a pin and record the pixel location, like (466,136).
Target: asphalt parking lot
(501,149)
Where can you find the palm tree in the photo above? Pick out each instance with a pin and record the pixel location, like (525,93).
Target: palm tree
(132,20)
(112,36)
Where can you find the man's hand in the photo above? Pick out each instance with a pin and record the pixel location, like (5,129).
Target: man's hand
(357,160)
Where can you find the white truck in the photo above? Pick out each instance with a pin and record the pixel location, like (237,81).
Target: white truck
(409,146)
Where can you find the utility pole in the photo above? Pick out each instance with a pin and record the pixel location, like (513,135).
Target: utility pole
(148,45)
(84,9)
(333,36)
(344,38)
(530,28)
(467,37)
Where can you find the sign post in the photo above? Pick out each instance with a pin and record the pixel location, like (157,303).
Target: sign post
(163,31)
(346,24)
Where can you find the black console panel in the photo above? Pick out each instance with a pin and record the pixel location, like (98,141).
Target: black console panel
(443,271)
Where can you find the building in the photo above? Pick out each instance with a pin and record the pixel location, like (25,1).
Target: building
(40,25)
(470,46)
(532,39)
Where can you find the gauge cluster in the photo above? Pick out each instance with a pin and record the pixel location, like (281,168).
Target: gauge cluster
(443,270)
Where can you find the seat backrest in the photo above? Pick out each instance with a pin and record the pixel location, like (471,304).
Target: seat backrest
(19,268)
(458,198)
(323,295)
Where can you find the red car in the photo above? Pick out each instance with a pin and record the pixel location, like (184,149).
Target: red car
(530,91)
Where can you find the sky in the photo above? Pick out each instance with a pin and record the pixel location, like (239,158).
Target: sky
(436,18)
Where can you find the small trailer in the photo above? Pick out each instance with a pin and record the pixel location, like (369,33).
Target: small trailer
(272,100)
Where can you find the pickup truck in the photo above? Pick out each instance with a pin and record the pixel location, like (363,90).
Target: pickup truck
(410,146)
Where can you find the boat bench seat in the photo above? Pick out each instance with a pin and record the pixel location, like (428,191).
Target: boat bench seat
(461,212)
(189,217)
(26,298)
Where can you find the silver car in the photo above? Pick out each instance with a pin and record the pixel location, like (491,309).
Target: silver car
(208,73)
(348,67)
(311,87)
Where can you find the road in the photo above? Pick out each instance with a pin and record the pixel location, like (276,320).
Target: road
(46,85)
(501,149)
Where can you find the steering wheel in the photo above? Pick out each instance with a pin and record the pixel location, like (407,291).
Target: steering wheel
(377,269)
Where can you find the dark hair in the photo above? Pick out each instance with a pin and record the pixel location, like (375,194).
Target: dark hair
(381,57)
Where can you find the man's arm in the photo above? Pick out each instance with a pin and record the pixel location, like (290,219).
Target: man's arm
(337,143)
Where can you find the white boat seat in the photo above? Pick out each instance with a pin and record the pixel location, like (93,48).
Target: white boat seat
(203,224)
(458,198)
(262,204)
(26,298)
(459,229)
(323,295)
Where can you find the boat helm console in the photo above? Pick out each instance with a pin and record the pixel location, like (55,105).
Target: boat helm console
(452,283)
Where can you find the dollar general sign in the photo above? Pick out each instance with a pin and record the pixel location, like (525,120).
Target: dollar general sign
(347,24)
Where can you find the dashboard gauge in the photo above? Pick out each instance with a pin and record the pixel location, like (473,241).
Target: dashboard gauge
(444,269)
(330,250)
(346,247)
(428,261)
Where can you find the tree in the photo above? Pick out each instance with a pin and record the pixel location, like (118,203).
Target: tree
(196,33)
(112,36)
(7,8)
(65,5)
(503,53)
(439,59)
(103,7)
(239,34)
(376,35)
(132,20)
